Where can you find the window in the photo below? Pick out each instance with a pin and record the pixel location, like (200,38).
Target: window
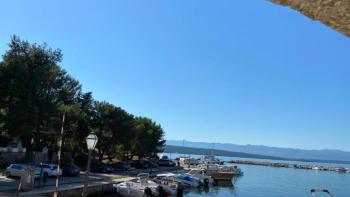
(17,167)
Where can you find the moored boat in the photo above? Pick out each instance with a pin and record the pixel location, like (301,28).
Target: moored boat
(210,159)
(188,161)
(342,170)
(187,180)
(141,186)
(200,175)
(221,172)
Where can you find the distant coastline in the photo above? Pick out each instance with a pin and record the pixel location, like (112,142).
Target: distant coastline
(206,151)
(279,152)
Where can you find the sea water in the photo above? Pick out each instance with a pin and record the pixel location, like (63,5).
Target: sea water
(264,181)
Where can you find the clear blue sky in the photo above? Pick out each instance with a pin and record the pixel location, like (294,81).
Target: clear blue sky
(243,72)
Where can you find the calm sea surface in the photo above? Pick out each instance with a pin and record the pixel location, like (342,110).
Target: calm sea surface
(262,181)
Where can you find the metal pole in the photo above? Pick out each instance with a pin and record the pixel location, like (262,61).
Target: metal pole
(55,194)
(85,191)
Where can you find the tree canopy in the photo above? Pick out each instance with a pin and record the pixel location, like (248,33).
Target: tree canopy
(36,91)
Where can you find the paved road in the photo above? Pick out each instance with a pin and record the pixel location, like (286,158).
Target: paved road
(10,185)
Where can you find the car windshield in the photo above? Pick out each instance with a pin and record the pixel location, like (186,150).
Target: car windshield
(17,167)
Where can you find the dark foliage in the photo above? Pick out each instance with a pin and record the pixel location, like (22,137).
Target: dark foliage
(36,91)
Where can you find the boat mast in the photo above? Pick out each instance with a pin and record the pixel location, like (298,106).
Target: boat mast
(212,149)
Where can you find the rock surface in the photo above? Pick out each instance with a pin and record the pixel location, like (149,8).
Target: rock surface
(334,13)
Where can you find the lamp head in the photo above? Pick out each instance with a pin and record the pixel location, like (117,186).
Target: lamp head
(91,141)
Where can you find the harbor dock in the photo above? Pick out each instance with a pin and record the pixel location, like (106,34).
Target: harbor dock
(296,166)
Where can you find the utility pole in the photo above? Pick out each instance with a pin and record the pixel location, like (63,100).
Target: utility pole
(55,194)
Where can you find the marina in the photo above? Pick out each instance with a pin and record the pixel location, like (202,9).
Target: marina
(260,179)
(252,176)
(207,172)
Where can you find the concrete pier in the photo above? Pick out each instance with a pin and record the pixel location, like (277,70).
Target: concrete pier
(296,166)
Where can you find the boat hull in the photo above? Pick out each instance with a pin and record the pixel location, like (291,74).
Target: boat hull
(221,176)
(127,191)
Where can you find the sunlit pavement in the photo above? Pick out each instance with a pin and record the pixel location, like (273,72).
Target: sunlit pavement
(4,179)
(8,186)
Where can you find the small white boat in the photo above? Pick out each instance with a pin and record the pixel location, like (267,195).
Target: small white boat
(165,178)
(200,174)
(210,159)
(187,180)
(183,179)
(138,187)
(341,170)
(129,189)
(221,172)
(188,161)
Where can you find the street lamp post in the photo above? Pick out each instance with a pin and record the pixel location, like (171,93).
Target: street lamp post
(31,156)
(91,141)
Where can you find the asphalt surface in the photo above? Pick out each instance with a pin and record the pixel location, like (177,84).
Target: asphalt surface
(10,185)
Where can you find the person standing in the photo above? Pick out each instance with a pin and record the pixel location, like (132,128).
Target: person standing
(179,190)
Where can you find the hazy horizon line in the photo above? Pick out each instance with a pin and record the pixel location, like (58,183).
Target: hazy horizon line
(295,148)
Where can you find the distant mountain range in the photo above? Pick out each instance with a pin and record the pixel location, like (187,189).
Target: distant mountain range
(206,151)
(290,153)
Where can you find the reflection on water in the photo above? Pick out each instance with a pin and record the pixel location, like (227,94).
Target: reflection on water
(261,181)
(220,188)
(228,184)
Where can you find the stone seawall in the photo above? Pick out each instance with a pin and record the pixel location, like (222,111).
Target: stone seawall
(289,165)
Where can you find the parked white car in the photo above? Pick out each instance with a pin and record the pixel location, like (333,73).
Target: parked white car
(51,170)
(16,170)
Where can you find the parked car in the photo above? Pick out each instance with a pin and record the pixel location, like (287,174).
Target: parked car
(109,169)
(166,162)
(48,169)
(139,164)
(97,166)
(164,157)
(16,170)
(125,163)
(143,164)
(70,169)
(152,164)
(51,170)
(120,166)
